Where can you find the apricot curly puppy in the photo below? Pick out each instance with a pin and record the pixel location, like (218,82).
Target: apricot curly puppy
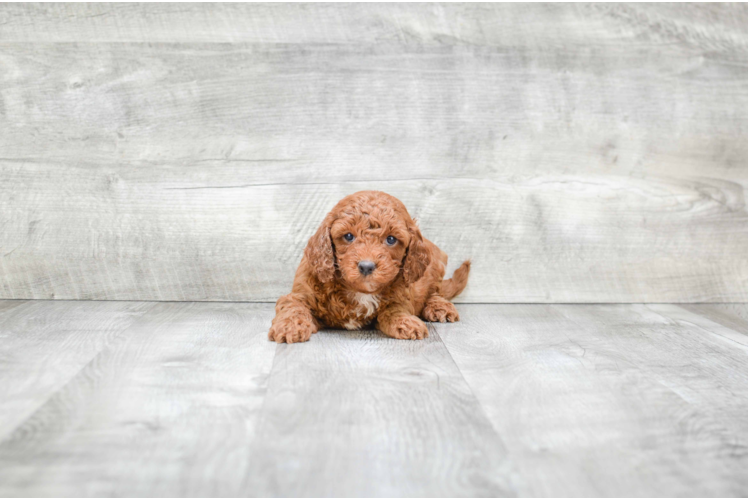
(368,263)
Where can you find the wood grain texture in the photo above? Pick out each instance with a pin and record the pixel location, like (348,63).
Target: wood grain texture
(618,400)
(168,411)
(6,305)
(360,414)
(733,332)
(190,399)
(578,153)
(733,316)
(719,27)
(43,345)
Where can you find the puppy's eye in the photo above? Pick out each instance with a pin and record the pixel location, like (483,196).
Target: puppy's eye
(348,237)
(391,240)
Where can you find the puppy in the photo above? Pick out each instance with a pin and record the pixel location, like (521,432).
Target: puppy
(368,263)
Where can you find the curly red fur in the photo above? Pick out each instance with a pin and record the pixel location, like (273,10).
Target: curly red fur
(405,287)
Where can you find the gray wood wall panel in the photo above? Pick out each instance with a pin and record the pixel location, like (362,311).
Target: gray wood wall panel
(716,27)
(578,153)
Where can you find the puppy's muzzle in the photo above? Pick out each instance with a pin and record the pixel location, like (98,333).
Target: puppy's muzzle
(366,267)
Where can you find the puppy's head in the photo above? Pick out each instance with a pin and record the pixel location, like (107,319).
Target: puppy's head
(368,237)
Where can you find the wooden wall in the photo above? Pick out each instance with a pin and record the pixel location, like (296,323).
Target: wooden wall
(577,153)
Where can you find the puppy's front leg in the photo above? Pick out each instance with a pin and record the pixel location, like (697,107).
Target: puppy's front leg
(397,322)
(293,320)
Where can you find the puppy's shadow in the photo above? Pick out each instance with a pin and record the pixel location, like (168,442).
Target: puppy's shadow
(373,335)
(368,332)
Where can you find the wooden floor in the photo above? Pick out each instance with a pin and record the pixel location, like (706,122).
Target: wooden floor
(185,399)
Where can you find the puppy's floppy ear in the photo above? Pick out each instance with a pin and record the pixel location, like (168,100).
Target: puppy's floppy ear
(417,257)
(319,252)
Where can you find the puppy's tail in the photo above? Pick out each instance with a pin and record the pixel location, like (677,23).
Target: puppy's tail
(456,284)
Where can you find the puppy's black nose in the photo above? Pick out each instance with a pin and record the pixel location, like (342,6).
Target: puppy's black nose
(366,267)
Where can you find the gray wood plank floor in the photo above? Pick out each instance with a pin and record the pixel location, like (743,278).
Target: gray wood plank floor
(185,399)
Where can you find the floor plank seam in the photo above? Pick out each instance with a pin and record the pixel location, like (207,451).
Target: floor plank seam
(462,376)
(708,320)
(117,337)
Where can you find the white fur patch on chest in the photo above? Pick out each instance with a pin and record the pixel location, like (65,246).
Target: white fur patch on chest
(368,303)
(367,306)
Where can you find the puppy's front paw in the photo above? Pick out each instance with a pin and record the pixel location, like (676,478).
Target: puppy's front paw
(441,311)
(408,328)
(291,329)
